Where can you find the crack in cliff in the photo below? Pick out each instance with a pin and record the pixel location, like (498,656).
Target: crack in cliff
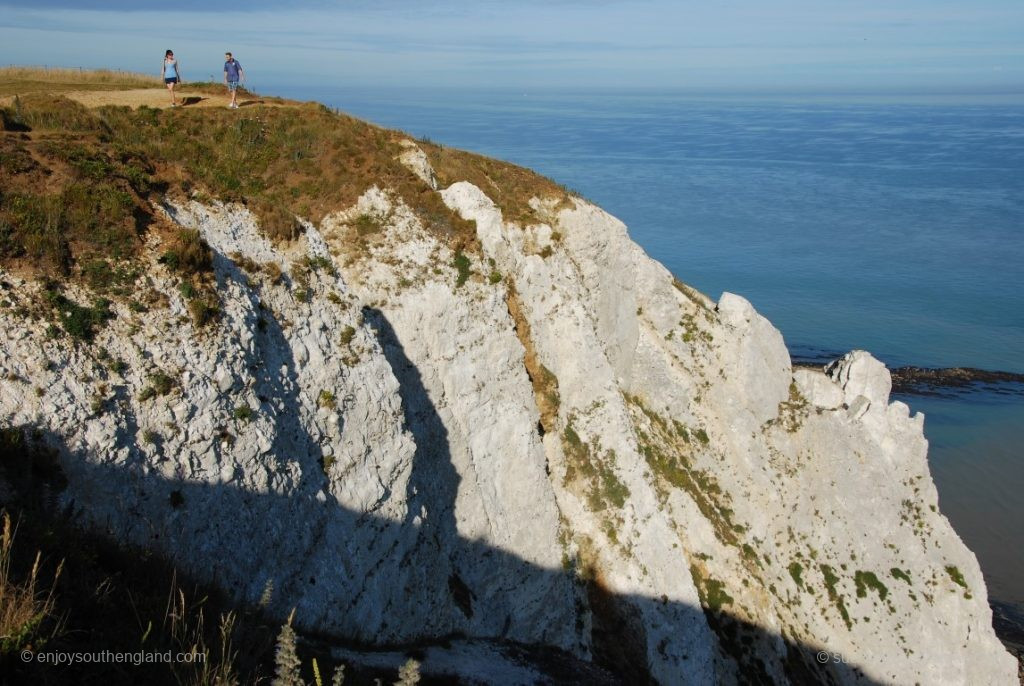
(544,383)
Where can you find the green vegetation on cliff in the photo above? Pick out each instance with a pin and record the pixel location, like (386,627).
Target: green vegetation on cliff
(78,183)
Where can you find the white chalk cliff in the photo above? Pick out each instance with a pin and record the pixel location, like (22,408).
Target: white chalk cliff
(570,449)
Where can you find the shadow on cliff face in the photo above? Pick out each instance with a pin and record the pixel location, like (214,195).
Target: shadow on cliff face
(434,483)
(238,539)
(761,657)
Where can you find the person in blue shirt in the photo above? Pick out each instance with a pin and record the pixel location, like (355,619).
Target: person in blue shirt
(232,73)
(171,75)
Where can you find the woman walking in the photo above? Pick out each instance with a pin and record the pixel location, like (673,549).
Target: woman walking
(171,75)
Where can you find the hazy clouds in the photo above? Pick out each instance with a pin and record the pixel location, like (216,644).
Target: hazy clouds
(790,44)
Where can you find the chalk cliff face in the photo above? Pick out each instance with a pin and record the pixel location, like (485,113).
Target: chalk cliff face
(547,441)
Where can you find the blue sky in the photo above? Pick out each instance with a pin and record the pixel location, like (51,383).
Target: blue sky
(738,45)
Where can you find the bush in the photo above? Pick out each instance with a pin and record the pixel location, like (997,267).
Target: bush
(203,310)
(79,321)
(366,224)
(188,253)
(461,264)
(159,384)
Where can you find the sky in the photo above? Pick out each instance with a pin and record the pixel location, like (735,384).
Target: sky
(915,46)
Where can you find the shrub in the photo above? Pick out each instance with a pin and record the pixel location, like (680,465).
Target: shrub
(286,660)
(159,384)
(409,674)
(898,573)
(203,310)
(864,580)
(366,224)
(796,570)
(188,253)
(347,334)
(80,322)
(273,271)
(277,222)
(244,413)
(461,264)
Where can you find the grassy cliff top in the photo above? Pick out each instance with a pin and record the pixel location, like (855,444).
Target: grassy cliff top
(83,155)
(22,80)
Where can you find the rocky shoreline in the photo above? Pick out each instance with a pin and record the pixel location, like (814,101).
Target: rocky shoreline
(913,380)
(1008,621)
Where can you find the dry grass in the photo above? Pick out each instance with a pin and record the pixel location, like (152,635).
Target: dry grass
(185,624)
(545,383)
(510,186)
(20,80)
(24,606)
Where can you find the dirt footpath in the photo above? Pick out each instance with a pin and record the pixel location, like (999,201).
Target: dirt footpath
(157,98)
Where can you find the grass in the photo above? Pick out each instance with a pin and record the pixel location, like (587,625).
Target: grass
(958,579)
(160,384)
(84,217)
(668,449)
(327,399)
(462,266)
(190,257)
(25,606)
(589,467)
(898,573)
(20,80)
(796,571)
(510,187)
(77,183)
(711,591)
(346,335)
(367,224)
(79,321)
(868,580)
(188,253)
(244,413)
(831,581)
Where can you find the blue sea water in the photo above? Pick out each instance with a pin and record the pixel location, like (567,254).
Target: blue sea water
(897,228)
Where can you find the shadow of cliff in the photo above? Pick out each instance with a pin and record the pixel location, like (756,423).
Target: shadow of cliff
(173,516)
(617,635)
(434,482)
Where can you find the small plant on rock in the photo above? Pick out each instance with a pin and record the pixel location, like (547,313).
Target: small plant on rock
(244,413)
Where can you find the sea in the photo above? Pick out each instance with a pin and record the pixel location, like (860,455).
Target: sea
(890,224)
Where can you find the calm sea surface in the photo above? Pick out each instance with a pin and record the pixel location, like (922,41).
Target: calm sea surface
(894,228)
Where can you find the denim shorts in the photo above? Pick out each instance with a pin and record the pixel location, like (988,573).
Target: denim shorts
(232,85)
(173,79)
